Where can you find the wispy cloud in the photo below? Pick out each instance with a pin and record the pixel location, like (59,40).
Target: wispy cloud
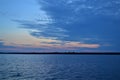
(44,45)
(47,44)
(47,30)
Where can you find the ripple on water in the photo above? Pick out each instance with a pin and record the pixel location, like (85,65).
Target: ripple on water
(28,67)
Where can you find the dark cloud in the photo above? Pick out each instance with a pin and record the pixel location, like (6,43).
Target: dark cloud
(72,10)
(83,17)
(72,20)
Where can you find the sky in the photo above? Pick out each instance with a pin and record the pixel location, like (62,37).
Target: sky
(59,25)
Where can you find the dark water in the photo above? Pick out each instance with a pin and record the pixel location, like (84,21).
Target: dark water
(59,67)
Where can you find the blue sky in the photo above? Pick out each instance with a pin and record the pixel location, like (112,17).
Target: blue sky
(64,25)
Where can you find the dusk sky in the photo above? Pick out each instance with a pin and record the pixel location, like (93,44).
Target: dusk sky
(59,25)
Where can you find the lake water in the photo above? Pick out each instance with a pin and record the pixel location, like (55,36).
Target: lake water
(59,67)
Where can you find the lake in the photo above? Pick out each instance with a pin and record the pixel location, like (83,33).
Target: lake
(59,67)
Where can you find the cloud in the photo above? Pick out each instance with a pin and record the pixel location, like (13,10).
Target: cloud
(52,37)
(61,24)
(68,25)
(5,48)
(81,17)
(45,44)
(61,20)
(43,30)
(1,40)
(77,45)
(17,47)
(65,10)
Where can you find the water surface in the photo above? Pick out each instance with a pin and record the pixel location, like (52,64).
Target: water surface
(59,67)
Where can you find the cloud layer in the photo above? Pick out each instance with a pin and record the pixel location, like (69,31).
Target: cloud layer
(67,21)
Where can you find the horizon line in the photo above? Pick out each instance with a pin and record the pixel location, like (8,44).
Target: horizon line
(81,53)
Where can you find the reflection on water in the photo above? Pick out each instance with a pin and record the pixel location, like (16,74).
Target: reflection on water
(59,67)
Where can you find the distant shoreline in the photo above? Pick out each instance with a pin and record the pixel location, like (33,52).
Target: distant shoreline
(67,53)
